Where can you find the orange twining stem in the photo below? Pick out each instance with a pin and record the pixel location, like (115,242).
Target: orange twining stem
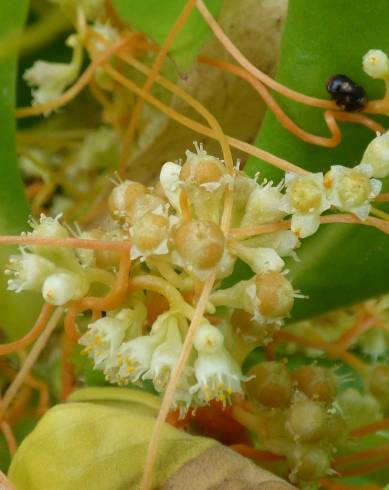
(9,437)
(361,325)
(367,453)
(121,245)
(23,374)
(31,335)
(250,231)
(367,468)
(74,89)
(99,95)
(19,407)
(272,104)
(256,454)
(380,224)
(96,315)
(370,428)
(68,379)
(155,69)
(195,126)
(33,189)
(42,387)
(200,128)
(360,119)
(331,350)
(245,63)
(192,102)
(173,383)
(25,393)
(113,299)
(373,107)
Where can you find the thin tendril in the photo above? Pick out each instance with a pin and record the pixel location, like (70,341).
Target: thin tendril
(65,242)
(243,61)
(137,110)
(31,335)
(75,89)
(173,383)
(200,128)
(30,360)
(9,437)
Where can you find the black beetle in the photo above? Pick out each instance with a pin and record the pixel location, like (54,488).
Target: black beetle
(347,94)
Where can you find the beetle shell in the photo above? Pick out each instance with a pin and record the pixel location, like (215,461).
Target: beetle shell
(347,94)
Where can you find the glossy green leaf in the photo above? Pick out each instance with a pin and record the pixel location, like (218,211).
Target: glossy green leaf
(156,19)
(16,310)
(341,264)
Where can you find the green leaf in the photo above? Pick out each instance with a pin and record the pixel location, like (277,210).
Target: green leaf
(156,20)
(16,310)
(341,264)
(99,439)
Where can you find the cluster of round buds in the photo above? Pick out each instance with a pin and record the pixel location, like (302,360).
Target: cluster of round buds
(154,220)
(175,231)
(53,271)
(297,416)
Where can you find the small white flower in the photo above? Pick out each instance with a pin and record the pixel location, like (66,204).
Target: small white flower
(103,338)
(218,376)
(165,356)
(61,287)
(352,189)
(260,259)
(305,199)
(208,338)
(133,358)
(28,272)
(263,206)
(377,155)
(376,64)
(51,79)
(183,399)
(47,227)
(170,182)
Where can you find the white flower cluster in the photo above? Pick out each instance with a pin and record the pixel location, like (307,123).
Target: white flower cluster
(117,347)
(176,237)
(51,79)
(54,271)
